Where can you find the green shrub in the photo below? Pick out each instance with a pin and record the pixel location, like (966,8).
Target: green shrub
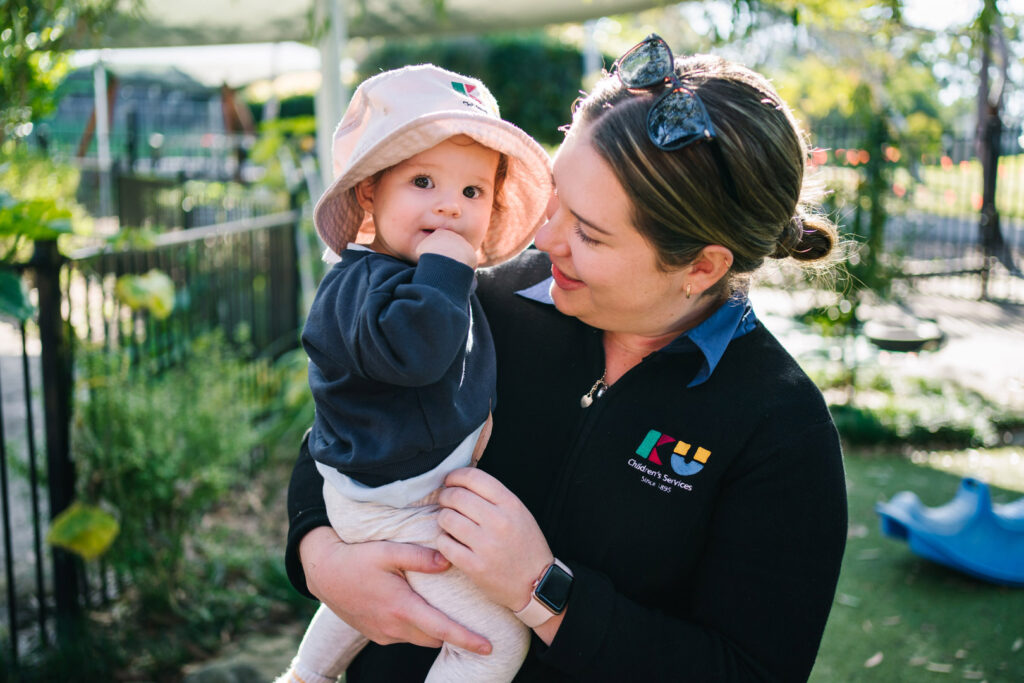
(912,411)
(861,426)
(289,400)
(160,450)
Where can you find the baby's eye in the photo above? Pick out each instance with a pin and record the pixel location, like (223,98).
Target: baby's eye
(471,192)
(423,181)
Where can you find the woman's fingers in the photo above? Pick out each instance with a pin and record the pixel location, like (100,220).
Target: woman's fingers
(435,628)
(467,503)
(432,627)
(481,483)
(491,536)
(365,585)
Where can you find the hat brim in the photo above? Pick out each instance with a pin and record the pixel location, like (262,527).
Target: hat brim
(525,194)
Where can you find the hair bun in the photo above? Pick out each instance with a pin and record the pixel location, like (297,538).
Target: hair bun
(806,238)
(789,238)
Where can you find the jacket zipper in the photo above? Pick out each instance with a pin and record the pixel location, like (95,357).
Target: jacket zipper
(588,420)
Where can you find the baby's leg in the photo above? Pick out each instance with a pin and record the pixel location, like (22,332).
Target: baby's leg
(459,598)
(450,591)
(327,649)
(330,645)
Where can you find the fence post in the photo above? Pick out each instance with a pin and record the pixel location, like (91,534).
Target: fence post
(56,366)
(988,223)
(284,281)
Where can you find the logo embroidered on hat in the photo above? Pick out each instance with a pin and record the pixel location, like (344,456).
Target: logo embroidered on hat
(466,89)
(656,445)
(470,90)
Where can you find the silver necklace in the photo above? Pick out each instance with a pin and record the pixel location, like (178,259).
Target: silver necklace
(596,391)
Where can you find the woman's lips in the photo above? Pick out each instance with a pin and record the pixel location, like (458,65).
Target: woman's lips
(564,281)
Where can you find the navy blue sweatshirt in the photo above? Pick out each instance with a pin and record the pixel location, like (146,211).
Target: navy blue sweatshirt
(705,524)
(401,365)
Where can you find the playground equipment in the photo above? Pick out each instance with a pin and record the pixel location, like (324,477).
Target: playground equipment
(968,534)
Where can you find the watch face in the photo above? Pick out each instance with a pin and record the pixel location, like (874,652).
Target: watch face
(553,589)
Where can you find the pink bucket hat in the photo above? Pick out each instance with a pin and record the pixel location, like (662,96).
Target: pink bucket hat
(398,114)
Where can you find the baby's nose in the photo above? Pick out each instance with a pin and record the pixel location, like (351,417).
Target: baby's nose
(449,206)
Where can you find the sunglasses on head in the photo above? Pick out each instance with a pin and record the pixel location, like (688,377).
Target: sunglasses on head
(677,118)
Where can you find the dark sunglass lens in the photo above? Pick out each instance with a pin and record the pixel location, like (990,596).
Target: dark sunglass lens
(676,120)
(645,65)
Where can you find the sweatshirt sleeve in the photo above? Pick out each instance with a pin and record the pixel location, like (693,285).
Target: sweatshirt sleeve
(401,326)
(760,597)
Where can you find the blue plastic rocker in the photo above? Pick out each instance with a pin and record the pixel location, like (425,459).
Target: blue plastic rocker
(968,534)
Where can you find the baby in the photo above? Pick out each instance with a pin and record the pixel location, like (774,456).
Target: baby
(433,183)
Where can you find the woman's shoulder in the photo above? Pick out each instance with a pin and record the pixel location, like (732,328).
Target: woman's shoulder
(759,362)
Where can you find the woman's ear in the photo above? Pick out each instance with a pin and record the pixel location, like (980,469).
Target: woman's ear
(711,265)
(364,194)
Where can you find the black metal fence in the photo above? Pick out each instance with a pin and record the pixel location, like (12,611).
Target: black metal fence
(173,199)
(240,277)
(932,205)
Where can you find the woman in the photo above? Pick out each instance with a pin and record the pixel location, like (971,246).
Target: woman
(650,434)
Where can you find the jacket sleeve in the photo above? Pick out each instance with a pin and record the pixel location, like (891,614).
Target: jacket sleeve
(306,511)
(760,596)
(397,329)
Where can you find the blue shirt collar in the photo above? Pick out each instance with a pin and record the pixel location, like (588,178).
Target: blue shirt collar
(733,319)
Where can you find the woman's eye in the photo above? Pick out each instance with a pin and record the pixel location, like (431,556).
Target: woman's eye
(423,181)
(471,192)
(586,239)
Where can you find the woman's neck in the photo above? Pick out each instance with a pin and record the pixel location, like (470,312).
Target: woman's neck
(624,350)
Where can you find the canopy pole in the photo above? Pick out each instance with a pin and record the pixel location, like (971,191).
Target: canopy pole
(103,158)
(591,54)
(332,96)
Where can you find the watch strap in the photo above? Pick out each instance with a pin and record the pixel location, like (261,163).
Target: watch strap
(536,612)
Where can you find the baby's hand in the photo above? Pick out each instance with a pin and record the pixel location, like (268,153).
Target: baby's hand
(448,243)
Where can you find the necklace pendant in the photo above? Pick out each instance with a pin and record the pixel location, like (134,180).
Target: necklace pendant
(599,386)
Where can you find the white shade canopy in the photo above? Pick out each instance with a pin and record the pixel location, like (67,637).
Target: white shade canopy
(329,24)
(163,23)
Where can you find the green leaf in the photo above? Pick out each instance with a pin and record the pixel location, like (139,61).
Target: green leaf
(85,530)
(153,291)
(14,297)
(36,219)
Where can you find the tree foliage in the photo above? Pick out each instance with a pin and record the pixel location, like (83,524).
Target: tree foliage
(32,36)
(538,104)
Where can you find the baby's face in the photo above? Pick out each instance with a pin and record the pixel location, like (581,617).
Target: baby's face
(449,186)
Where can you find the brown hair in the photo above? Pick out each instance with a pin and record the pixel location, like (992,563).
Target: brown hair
(680,203)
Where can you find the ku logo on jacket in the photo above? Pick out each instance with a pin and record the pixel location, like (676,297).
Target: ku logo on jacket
(684,459)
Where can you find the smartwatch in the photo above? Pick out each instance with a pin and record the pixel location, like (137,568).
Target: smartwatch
(550,595)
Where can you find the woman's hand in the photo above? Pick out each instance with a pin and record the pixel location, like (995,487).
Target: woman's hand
(364,584)
(491,537)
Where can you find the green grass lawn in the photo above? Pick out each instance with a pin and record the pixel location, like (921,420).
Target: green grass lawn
(898,617)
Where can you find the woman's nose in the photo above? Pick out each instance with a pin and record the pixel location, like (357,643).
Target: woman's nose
(551,236)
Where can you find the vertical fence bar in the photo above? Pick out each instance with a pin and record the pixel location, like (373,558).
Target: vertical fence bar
(33,478)
(56,366)
(12,605)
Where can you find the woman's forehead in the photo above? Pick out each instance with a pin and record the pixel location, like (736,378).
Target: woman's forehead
(587,184)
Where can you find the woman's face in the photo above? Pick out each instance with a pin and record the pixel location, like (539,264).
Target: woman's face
(605,273)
